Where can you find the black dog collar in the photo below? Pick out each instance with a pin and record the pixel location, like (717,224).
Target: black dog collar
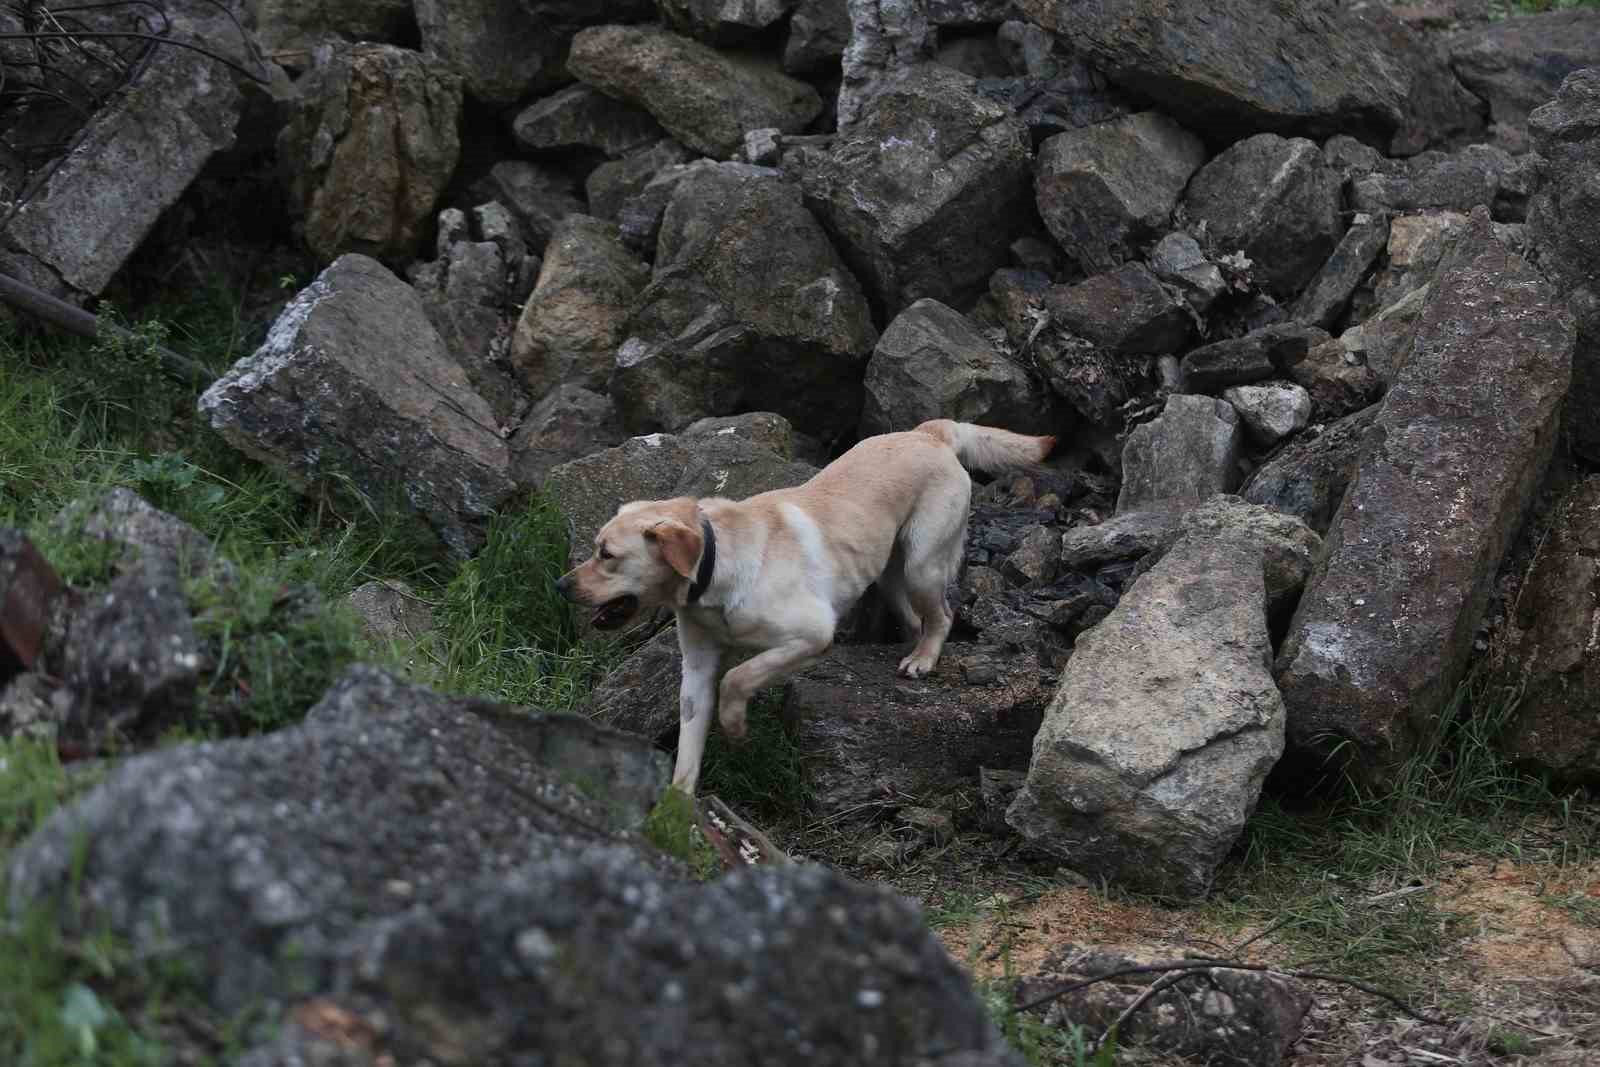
(708,562)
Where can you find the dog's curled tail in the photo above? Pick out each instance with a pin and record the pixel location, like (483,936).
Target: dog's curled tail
(986,448)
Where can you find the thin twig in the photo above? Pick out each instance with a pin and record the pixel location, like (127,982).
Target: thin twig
(1166,981)
(130,35)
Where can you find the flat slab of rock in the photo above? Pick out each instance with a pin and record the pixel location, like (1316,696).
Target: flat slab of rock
(1245,360)
(132,161)
(926,191)
(1554,652)
(1327,298)
(582,117)
(1190,452)
(1384,631)
(704,98)
(1308,67)
(1153,750)
(1124,310)
(354,381)
(1106,190)
(1125,535)
(869,738)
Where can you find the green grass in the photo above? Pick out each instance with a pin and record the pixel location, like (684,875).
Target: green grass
(673,828)
(1314,873)
(762,773)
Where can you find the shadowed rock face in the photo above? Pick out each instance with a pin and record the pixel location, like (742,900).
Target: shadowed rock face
(353,381)
(1308,67)
(1384,630)
(1166,721)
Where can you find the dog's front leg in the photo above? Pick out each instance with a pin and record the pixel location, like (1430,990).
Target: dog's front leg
(697,696)
(754,674)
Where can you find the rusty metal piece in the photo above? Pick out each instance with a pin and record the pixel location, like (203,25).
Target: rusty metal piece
(29,587)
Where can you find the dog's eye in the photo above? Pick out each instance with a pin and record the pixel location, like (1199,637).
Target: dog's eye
(605,553)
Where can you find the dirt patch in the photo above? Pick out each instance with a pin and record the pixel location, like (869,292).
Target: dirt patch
(1533,920)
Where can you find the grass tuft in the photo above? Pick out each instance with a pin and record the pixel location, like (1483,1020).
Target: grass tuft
(673,827)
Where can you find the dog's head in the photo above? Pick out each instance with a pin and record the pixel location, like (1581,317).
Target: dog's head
(642,557)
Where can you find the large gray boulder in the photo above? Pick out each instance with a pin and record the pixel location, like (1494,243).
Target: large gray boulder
(1517,64)
(1152,753)
(1306,67)
(926,191)
(1564,225)
(1550,652)
(733,458)
(372,142)
(354,383)
(571,326)
(583,118)
(131,162)
(1125,311)
(569,423)
(751,308)
(1277,201)
(933,363)
(1384,632)
(704,98)
(257,860)
(1106,190)
(1188,453)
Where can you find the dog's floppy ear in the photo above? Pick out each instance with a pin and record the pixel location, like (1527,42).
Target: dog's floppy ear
(680,544)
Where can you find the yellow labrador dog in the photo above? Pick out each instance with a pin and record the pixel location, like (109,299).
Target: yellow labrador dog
(777,571)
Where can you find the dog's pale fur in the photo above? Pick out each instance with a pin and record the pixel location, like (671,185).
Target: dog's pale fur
(789,563)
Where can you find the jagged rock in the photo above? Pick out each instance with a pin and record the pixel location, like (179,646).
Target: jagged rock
(1035,559)
(353,382)
(1124,310)
(262,856)
(1229,1018)
(1562,225)
(1384,631)
(390,612)
(705,99)
(1338,379)
(1383,342)
(850,966)
(1106,190)
(640,694)
(1459,181)
(640,215)
(925,192)
(130,162)
(507,49)
(819,32)
(733,458)
(1308,479)
(1178,260)
(1289,548)
(1190,452)
(1127,535)
(1272,411)
(1308,67)
(1518,64)
(29,591)
(371,145)
(539,198)
(1417,243)
(751,308)
(885,38)
(611,184)
(1275,200)
(1328,295)
(870,738)
(33,706)
(1551,655)
(1243,360)
(1052,89)
(466,296)
(580,117)
(577,316)
(932,363)
(569,423)
(1148,763)
(723,22)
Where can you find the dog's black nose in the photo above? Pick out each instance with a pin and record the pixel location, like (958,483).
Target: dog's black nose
(564,585)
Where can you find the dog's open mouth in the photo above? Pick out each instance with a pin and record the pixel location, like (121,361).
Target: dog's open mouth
(614,613)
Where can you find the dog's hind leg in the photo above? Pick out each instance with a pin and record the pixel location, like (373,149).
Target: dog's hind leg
(697,696)
(892,585)
(934,544)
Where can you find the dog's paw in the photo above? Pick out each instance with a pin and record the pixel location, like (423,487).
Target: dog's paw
(915,666)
